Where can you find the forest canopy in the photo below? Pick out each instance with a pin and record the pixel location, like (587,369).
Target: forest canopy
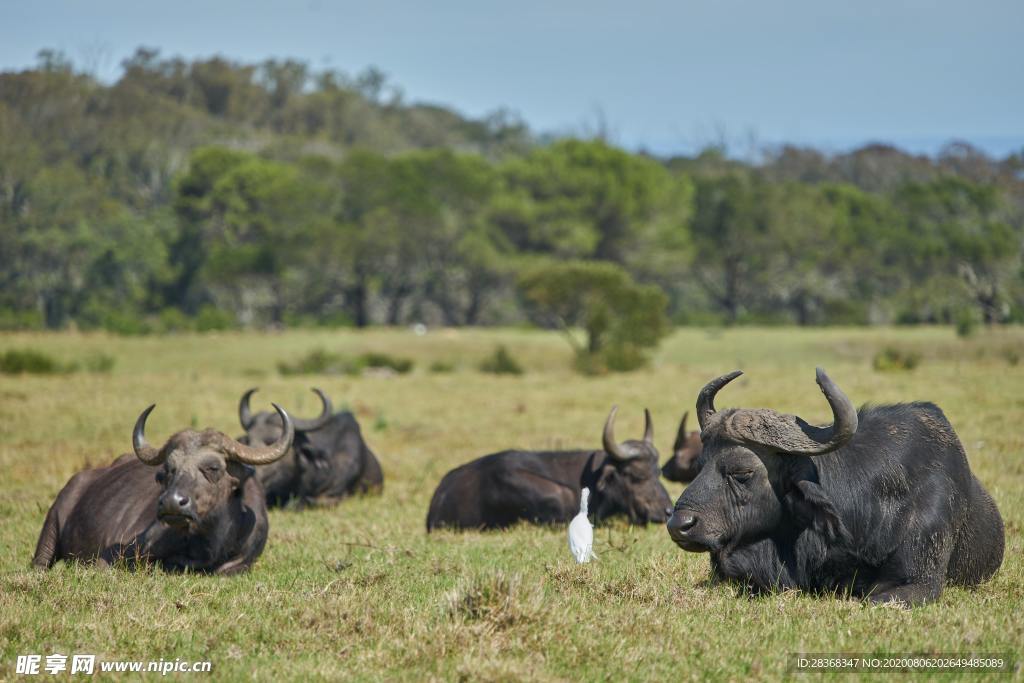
(212,193)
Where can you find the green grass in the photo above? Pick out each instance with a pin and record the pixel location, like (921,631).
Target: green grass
(361,592)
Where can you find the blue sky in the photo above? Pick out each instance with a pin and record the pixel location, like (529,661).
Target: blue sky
(666,76)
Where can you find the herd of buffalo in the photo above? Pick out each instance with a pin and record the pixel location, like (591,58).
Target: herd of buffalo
(881,504)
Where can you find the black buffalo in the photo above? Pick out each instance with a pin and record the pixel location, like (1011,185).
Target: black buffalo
(682,466)
(194,504)
(328,461)
(881,504)
(501,489)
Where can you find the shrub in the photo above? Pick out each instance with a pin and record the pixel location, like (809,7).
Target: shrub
(323,362)
(98,315)
(211,319)
(29,361)
(892,359)
(173,320)
(11,320)
(334,319)
(501,362)
(319,362)
(375,359)
(442,366)
(966,322)
(1011,355)
(619,358)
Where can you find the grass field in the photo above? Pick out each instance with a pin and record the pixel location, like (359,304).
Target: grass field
(360,591)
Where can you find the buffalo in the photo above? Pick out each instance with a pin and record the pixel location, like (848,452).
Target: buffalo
(328,461)
(682,466)
(503,488)
(194,504)
(881,504)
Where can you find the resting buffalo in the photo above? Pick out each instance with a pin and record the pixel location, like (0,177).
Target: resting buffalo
(327,462)
(682,466)
(501,489)
(881,504)
(203,510)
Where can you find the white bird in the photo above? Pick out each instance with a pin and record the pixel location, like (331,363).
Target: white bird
(581,533)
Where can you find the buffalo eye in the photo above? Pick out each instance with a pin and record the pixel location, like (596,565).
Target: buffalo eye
(161,476)
(212,472)
(741,476)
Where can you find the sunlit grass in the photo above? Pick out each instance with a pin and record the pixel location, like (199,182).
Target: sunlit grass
(361,591)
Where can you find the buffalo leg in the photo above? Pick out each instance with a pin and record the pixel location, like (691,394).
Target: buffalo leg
(235,566)
(916,572)
(910,594)
(49,537)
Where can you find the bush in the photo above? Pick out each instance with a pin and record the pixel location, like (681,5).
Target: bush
(623,358)
(966,322)
(212,319)
(375,359)
(97,315)
(501,362)
(323,362)
(331,320)
(11,320)
(319,362)
(439,367)
(1011,355)
(893,359)
(29,361)
(173,320)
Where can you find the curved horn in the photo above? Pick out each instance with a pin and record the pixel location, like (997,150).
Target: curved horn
(244,412)
(706,397)
(611,446)
(317,422)
(681,434)
(648,427)
(146,453)
(262,455)
(792,435)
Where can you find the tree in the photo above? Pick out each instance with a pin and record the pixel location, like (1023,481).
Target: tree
(732,239)
(587,199)
(621,319)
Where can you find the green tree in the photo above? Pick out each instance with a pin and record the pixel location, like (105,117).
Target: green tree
(620,318)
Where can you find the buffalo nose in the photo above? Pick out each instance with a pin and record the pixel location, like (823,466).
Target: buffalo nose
(174,502)
(686,522)
(680,523)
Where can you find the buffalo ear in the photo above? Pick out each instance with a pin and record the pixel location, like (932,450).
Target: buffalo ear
(809,503)
(239,473)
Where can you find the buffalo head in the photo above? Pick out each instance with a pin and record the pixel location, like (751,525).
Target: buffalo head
(628,480)
(308,464)
(202,470)
(751,474)
(682,466)
(265,427)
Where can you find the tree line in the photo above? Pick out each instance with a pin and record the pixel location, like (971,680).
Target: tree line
(211,193)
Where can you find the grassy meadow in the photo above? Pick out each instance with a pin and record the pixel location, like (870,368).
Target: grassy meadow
(361,592)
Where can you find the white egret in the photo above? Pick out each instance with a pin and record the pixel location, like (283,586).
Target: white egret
(581,533)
